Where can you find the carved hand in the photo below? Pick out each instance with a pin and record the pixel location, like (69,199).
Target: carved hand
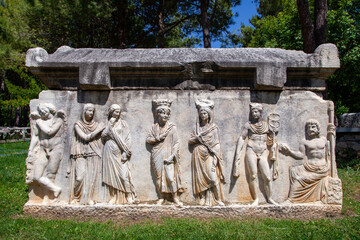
(161,137)
(112,121)
(61,114)
(124,157)
(284,148)
(101,127)
(331,128)
(170,160)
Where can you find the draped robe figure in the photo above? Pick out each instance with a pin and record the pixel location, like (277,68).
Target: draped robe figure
(207,162)
(309,182)
(165,159)
(86,159)
(116,155)
(168,174)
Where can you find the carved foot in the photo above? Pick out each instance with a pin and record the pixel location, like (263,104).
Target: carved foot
(46,200)
(273,202)
(75,201)
(130,200)
(57,192)
(220,203)
(160,201)
(287,202)
(177,202)
(256,202)
(202,201)
(91,202)
(112,201)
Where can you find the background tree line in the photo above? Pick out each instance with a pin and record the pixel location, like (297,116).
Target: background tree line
(279,25)
(289,24)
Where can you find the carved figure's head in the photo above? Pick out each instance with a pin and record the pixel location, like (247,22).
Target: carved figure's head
(45,109)
(256,110)
(205,109)
(162,110)
(114,111)
(88,112)
(312,128)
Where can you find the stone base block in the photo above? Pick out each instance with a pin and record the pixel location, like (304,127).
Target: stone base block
(147,211)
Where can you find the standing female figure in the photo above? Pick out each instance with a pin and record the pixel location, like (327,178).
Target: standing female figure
(116,156)
(86,158)
(165,159)
(206,156)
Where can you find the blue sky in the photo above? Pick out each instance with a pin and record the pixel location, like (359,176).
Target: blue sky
(245,11)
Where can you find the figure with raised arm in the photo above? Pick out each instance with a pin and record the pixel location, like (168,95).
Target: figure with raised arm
(207,161)
(165,159)
(309,181)
(116,155)
(46,148)
(85,158)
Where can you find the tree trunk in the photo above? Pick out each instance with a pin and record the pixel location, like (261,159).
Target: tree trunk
(161,26)
(17,117)
(307,27)
(320,21)
(122,9)
(205,23)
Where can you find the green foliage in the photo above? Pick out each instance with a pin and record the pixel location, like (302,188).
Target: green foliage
(269,7)
(13,191)
(282,29)
(344,31)
(13,225)
(17,85)
(350,178)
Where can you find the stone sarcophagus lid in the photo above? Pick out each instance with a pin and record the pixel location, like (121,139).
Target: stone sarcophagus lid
(182,132)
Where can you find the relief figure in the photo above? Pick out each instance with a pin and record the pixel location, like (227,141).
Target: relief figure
(46,148)
(309,181)
(116,155)
(257,146)
(85,159)
(207,162)
(165,159)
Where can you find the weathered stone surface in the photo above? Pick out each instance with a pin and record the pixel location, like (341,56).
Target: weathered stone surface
(264,68)
(350,120)
(348,140)
(14,133)
(188,127)
(231,113)
(150,211)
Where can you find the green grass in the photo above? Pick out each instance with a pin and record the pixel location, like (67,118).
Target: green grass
(13,225)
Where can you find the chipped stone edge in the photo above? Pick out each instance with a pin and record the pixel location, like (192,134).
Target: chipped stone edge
(147,211)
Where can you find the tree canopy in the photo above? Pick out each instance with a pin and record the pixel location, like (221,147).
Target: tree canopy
(147,23)
(282,29)
(97,24)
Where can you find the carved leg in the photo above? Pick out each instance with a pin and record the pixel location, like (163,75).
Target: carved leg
(252,170)
(208,197)
(218,195)
(266,175)
(176,199)
(202,198)
(161,199)
(130,198)
(47,183)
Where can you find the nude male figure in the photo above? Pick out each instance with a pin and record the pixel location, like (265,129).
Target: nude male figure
(257,141)
(48,145)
